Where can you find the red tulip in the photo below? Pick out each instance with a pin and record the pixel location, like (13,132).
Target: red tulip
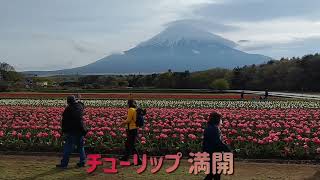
(1,133)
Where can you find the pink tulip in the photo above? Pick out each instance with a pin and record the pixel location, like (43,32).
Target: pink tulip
(192,136)
(57,135)
(163,136)
(174,136)
(19,135)
(100,133)
(113,134)
(90,134)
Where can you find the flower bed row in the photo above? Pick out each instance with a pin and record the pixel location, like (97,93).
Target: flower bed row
(272,104)
(255,133)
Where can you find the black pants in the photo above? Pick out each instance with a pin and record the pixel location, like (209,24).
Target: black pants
(211,176)
(130,145)
(214,177)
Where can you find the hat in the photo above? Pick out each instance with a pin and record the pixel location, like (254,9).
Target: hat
(71,99)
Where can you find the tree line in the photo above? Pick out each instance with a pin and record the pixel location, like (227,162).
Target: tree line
(286,74)
(8,75)
(294,74)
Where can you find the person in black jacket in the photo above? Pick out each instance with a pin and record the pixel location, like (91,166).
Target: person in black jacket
(74,131)
(212,141)
(242,95)
(266,94)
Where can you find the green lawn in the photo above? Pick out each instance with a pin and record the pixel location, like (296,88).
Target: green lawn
(43,167)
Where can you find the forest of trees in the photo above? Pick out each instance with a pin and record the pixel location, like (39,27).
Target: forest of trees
(294,74)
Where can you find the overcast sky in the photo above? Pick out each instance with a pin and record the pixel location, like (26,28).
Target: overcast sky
(58,34)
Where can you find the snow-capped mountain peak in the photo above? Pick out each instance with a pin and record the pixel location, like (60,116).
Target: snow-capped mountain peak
(176,34)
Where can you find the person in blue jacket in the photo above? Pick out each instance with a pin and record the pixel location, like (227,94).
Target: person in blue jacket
(212,141)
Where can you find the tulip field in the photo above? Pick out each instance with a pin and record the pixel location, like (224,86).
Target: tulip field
(254,129)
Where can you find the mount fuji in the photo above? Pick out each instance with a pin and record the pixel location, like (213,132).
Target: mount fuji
(178,47)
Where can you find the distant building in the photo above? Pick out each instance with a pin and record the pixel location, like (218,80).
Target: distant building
(42,84)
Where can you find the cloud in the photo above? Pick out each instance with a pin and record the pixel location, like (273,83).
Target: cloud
(35,32)
(82,47)
(294,48)
(205,25)
(280,30)
(260,10)
(243,41)
(45,66)
(77,45)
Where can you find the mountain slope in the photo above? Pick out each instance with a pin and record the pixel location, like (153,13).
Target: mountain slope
(178,48)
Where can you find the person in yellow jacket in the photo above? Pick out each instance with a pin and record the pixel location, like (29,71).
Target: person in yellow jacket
(132,131)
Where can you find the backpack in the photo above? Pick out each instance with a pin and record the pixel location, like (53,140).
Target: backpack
(140,117)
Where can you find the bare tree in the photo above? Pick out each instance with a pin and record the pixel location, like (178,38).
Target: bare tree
(6,67)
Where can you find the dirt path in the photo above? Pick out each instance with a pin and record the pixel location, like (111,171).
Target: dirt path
(43,167)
